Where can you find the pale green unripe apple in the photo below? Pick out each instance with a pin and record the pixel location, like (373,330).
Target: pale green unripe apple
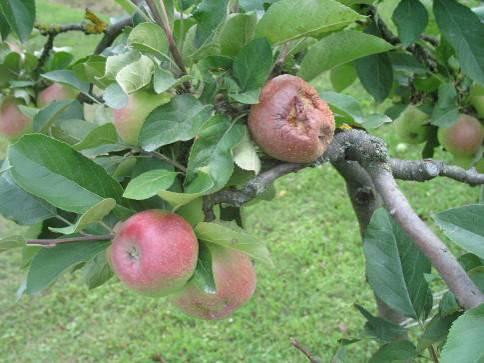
(463,139)
(130,119)
(477,99)
(412,125)
(56,92)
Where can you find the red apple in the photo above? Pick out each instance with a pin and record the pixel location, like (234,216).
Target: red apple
(154,252)
(291,122)
(464,138)
(56,92)
(235,281)
(13,122)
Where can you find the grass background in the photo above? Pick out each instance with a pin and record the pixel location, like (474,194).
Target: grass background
(313,236)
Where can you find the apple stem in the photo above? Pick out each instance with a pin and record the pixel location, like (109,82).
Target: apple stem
(54,242)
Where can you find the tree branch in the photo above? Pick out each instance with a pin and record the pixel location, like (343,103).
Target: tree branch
(112,32)
(161,17)
(371,153)
(309,355)
(55,242)
(423,170)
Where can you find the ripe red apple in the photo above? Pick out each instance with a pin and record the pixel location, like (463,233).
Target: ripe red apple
(235,281)
(13,122)
(412,125)
(130,119)
(290,122)
(154,252)
(477,99)
(463,139)
(56,92)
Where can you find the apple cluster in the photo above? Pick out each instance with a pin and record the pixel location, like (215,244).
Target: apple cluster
(464,139)
(155,253)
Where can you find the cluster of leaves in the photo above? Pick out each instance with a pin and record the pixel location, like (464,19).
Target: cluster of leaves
(75,177)
(401,278)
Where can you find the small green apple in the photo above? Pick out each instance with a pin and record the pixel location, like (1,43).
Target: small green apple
(412,125)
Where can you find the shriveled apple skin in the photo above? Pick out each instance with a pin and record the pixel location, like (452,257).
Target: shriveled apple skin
(291,122)
(13,123)
(235,280)
(154,252)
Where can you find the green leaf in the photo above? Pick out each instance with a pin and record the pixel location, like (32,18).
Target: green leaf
(202,185)
(20,206)
(203,275)
(101,135)
(4,27)
(245,155)
(231,236)
(400,350)
(94,214)
(340,48)
(179,120)
(60,175)
(47,116)
(115,97)
(379,328)
(236,32)
(149,184)
(136,75)
(464,31)
(289,19)
(20,16)
(464,343)
(209,15)
(50,263)
(376,75)
(477,275)
(253,64)
(248,98)
(7,243)
(97,271)
(464,226)
(212,151)
(396,267)
(115,63)
(148,37)
(67,77)
(411,19)
(343,76)
(446,111)
(163,80)
(436,331)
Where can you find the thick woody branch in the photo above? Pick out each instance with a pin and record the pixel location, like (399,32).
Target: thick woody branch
(423,170)
(371,153)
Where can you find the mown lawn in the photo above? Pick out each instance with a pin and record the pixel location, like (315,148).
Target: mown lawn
(319,274)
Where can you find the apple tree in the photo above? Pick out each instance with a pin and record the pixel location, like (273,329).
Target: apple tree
(138,159)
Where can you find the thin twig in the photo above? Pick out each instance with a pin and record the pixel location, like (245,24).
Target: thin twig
(112,32)
(161,17)
(163,157)
(55,242)
(309,355)
(49,44)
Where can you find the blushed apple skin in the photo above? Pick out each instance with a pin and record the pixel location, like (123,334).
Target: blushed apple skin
(235,281)
(411,126)
(56,92)
(464,138)
(13,123)
(154,252)
(130,119)
(291,122)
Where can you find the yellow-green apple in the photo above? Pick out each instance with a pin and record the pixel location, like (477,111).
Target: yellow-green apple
(235,281)
(291,122)
(154,252)
(412,125)
(130,119)
(56,92)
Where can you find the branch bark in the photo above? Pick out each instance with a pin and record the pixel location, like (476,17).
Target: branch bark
(112,32)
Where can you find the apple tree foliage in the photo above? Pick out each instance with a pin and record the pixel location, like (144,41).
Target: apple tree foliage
(76,178)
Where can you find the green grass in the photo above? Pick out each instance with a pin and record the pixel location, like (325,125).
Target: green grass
(319,273)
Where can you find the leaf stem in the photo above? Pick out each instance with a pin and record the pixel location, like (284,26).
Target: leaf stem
(54,242)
